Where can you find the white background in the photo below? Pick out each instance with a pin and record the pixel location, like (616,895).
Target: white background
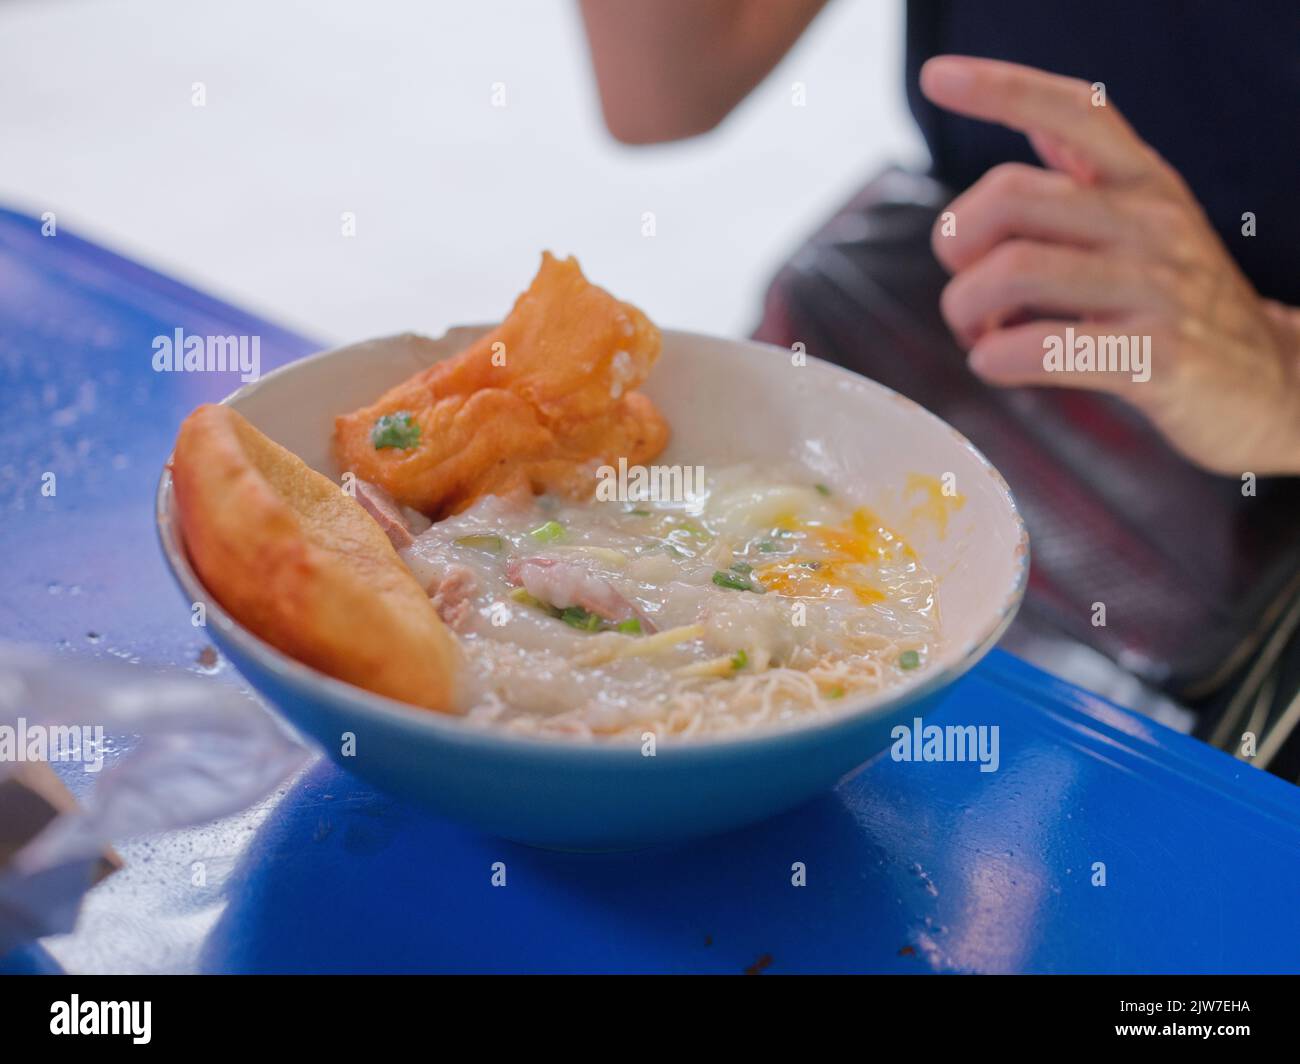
(385,109)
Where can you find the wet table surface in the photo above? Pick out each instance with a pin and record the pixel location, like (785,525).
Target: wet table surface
(909,867)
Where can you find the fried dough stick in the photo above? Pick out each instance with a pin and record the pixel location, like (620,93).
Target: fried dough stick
(302,565)
(533,405)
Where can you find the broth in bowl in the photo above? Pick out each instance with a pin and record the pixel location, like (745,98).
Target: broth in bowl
(760,598)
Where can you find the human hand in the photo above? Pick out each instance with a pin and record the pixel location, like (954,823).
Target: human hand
(1109,242)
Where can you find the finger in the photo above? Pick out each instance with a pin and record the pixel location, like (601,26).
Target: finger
(1015,200)
(1066,355)
(1020,278)
(1062,157)
(1042,105)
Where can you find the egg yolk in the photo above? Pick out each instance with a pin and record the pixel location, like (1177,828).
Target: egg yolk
(840,561)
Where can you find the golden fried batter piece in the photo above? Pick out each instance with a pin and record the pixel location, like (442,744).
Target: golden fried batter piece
(301,564)
(534,405)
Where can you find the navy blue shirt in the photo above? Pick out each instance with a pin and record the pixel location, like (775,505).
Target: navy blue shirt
(1214,86)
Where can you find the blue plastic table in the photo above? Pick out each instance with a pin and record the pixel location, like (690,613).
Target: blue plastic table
(910,867)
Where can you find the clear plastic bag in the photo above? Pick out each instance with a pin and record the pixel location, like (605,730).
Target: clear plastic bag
(161,751)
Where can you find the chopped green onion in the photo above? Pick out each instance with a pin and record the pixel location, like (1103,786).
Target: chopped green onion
(549,532)
(481,541)
(822,489)
(733,581)
(398,430)
(577,617)
(629,627)
(743,568)
(739,660)
(640,513)
(767,546)
(909,659)
(782,533)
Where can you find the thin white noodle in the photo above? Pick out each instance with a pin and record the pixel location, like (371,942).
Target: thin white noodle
(709,706)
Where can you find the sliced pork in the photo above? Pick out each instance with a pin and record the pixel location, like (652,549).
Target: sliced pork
(564,584)
(399,523)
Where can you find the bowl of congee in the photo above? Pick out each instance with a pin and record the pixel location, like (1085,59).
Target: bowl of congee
(583,583)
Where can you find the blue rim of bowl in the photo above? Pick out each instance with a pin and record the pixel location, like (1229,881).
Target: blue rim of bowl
(454,729)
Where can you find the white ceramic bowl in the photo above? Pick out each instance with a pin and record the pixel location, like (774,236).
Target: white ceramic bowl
(727,401)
